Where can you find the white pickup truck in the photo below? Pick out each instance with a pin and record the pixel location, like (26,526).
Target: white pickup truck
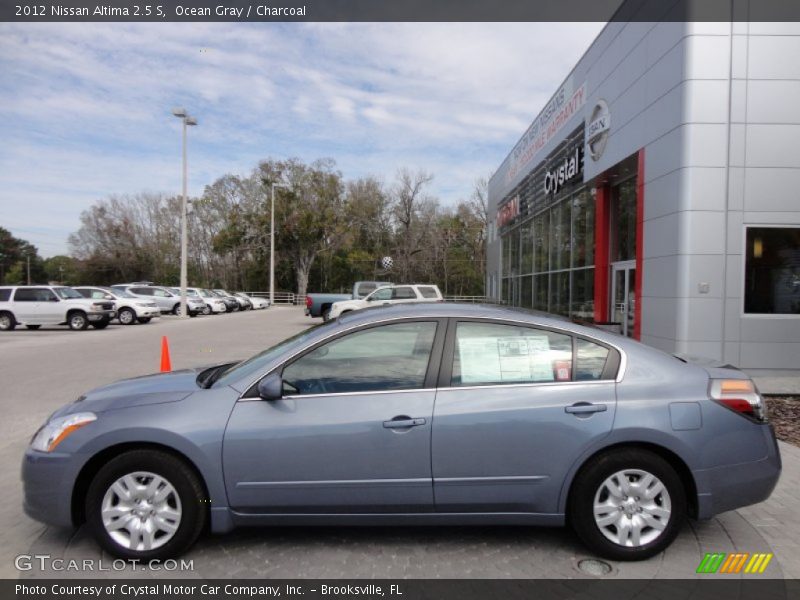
(37,305)
(392,294)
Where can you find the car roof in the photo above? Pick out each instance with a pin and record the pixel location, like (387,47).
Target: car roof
(477,311)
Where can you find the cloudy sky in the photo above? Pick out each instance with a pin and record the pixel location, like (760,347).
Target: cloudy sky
(85,108)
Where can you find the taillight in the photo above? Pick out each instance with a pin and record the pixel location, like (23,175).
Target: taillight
(741,396)
(308,301)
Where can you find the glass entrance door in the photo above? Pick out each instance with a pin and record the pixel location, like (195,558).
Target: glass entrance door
(623,299)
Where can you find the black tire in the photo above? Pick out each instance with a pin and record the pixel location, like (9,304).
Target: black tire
(588,483)
(326,314)
(207,310)
(144,319)
(33,327)
(176,310)
(7,321)
(187,485)
(126,316)
(77,320)
(192,313)
(100,324)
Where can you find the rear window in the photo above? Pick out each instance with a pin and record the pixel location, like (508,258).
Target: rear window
(403,293)
(5,294)
(428,292)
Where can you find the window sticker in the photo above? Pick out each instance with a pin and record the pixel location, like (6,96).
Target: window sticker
(505,359)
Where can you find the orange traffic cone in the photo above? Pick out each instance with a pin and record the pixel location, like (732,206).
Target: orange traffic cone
(166,365)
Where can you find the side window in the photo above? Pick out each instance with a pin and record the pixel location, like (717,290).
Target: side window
(5,294)
(142,291)
(591,360)
(428,292)
(403,293)
(46,295)
(161,293)
(27,295)
(85,293)
(384,294)
(389,357)
(491,354)
(98,295)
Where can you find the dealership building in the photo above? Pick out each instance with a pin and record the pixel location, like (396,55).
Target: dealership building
(658,191)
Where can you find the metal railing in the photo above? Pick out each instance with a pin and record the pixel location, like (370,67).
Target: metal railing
(288,298)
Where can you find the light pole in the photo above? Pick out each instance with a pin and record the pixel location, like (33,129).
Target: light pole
(272,244)
(187,121)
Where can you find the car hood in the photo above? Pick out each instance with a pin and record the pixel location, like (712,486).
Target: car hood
(139,391)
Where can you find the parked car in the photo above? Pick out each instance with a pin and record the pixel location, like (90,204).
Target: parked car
(536,421)
(213,303)
(256,302)
(239,303)
(394,294)
(168,302)
(37,305)
(130,309)
(319,305)
(231,304)
(195,304)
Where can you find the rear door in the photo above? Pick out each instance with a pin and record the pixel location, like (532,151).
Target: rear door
(517,405)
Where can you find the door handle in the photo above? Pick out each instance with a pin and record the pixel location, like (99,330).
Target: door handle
(403,422)
(585,407)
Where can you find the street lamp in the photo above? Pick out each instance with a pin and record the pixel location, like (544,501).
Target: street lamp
(272,244)
(187,122)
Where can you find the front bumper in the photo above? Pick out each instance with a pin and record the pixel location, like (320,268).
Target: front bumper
(729,487)
(47,487)
(148,313)
(102,315)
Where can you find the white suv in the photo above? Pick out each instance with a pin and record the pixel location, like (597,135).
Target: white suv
(168,302)
(130,309)
(393,294)
(37,305)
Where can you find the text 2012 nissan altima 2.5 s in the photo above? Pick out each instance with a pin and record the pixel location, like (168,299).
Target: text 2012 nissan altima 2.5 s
(413,414)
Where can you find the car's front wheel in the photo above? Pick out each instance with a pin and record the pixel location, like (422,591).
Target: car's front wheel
(627,504)
(126,316)
(146,504)
(77,320)
(7,321)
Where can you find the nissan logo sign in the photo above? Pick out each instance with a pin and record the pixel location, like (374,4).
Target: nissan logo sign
(597,130)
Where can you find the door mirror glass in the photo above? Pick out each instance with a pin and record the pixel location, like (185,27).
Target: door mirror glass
(271,387)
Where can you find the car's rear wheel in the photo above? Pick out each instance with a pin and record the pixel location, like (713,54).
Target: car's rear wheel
(7,321)
(627,504)
(77,320)
(126,316)
(146,504)
(326,315)
(176,310)
(144,319)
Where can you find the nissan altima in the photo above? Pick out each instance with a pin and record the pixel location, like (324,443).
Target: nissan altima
(412,414)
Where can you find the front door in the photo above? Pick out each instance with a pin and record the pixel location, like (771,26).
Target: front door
(623,298)
(351,434)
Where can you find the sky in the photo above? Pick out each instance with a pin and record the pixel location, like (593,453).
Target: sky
(85,108)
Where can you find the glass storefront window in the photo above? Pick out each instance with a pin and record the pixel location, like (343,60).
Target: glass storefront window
(772,271)
(514,252)
(623,226)
(526,292)
(541,242)
(541,291)
(526,243)
(559,293)
(582,301)
(582,229)
(560,238)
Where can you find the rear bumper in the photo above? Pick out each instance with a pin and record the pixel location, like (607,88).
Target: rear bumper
(729,487)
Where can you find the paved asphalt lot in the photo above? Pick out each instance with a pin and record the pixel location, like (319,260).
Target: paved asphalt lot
(40,370)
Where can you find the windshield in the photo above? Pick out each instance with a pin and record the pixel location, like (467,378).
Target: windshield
(67,293)
(259,361)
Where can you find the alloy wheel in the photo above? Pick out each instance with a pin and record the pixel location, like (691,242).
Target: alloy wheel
(632,508)
(141,511)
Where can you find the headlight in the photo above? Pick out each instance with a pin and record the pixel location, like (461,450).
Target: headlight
(56,430)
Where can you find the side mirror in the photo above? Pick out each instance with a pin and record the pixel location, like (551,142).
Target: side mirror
(271,387)
(53,299)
